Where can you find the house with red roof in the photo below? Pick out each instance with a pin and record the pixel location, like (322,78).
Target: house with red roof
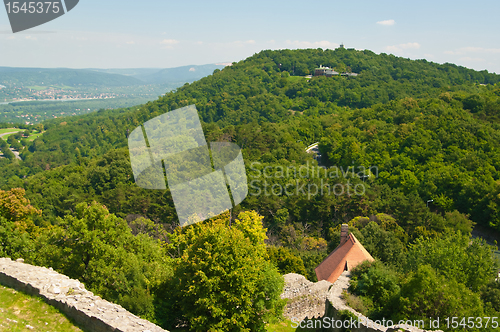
(345,257)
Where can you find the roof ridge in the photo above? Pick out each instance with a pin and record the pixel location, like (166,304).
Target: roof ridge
(353,238)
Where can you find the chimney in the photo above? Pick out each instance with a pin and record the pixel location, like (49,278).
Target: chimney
(344,233)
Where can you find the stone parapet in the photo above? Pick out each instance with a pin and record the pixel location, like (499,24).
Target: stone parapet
(89,311)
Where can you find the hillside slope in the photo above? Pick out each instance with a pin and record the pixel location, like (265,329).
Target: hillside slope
(424,132)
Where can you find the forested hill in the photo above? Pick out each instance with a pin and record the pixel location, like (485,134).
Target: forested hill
(415,162)
(386,116)
(261,88)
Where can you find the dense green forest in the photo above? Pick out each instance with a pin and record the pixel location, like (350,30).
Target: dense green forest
(413,165)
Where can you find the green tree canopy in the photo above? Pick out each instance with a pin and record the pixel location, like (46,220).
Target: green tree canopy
(223,280)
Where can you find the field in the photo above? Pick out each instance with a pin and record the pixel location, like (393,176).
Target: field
(8,130)
(33,136)
(19,310)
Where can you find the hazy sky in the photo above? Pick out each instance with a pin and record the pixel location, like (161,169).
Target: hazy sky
(164,33)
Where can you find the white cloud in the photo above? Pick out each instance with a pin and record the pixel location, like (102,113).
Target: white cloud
(169,42)
(319,44)
(130,42)
(192,69)
(410,46)
(387,22)
(401,47)
(30,38)
(393,49)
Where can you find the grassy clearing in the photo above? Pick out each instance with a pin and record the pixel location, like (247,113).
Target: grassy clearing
(33,136)
(19,310)
(8,130)
(6,136)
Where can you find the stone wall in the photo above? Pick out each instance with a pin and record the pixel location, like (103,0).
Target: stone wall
(320,305)
(335,306)
(306,299)
(89,311)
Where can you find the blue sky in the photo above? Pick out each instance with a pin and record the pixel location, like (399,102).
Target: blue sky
(154,33)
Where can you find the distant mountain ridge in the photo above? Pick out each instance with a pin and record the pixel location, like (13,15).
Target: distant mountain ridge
(180,74)
(62,76)
(189,73)
(19,76)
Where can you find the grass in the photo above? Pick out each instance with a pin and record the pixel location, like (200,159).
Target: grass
(18,310)
(284,326)
(359,304)
(31,137)
(6,136)
(9,130)
(279,326)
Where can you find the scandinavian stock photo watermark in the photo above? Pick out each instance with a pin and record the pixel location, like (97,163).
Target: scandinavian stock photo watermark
(308,180)
(362,322)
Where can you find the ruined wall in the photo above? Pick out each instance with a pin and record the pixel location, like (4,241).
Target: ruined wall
(335,305)
(70,296)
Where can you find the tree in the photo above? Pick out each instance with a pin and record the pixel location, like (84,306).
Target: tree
(428,294)
(457,257)
(16,208)
(16,225)
(286,261)
(491,296)
(377,282)
(16,145)
(383,244)
(223,281)
(99,249)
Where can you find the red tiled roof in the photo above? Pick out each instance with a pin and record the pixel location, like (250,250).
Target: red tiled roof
(345,257)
